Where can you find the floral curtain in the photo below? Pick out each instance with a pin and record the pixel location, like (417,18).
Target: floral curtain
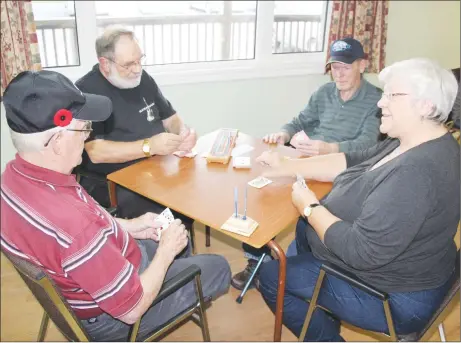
(365,21)
(19,47)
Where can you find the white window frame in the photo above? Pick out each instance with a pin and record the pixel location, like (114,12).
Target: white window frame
(265,63)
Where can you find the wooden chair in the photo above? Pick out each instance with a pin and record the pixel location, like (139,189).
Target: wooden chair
(57,308)
(436,319)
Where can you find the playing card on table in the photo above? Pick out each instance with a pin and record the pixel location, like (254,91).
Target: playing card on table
(165,218)
(259,182)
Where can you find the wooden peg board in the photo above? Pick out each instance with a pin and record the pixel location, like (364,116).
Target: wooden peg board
(222,147)
(240,226)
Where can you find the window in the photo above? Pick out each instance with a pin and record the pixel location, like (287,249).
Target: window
(56,33)
(185,31)
(190,41)
(299,26)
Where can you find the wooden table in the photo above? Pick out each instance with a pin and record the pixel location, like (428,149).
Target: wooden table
(205,193)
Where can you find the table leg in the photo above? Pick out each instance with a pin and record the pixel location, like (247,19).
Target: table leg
(112,193)
(281,289)
(207,236)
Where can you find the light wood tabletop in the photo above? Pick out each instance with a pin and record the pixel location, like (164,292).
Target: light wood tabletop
(205,192)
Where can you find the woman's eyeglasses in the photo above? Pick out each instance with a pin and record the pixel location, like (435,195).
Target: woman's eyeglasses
(390,96)
(87,129)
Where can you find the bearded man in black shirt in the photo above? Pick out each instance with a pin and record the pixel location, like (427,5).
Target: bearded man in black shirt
(143,122)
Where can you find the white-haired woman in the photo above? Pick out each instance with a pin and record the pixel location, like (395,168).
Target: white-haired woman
(390,217)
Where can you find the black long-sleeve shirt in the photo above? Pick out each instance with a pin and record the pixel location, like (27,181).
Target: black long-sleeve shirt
(399,219)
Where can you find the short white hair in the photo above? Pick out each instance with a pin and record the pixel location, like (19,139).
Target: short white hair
(35,142)
(427,81)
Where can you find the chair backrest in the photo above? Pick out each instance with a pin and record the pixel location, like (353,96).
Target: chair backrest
(446,301)
(48,295)
(454,115)
(94,183)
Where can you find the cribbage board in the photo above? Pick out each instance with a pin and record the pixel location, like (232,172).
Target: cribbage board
(222,147)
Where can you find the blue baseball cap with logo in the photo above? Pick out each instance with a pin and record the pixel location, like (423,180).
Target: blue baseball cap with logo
(346,50)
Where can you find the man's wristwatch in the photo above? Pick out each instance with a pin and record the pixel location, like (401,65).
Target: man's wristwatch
(146,148)
(308,209)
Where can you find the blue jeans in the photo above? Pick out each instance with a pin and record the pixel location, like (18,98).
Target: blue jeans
(410,310)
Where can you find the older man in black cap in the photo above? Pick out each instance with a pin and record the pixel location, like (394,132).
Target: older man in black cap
(50,220)
(341,116)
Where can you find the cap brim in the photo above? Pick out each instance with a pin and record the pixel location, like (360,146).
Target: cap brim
(96,108)
(342,59)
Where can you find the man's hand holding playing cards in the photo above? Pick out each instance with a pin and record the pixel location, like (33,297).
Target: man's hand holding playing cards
(173,240)
(147,227)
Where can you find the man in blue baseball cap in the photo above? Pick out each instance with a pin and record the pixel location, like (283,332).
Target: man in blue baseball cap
(341,116)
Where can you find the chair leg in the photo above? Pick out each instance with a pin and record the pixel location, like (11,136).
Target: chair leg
(43,327)
(202,314)
(442,333)
(250,279)
(312,305)
(390,322)
(134,330)
(207,236)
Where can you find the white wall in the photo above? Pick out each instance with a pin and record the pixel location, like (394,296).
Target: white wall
(424,29)
(257,106)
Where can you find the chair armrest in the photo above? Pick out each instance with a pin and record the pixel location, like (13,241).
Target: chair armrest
(350,278)
(176,282)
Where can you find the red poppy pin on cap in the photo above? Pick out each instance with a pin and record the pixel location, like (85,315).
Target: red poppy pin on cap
(62,117)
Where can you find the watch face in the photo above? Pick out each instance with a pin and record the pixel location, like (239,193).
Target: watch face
(307,211)
(146,148)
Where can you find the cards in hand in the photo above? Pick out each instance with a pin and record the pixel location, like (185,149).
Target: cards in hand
(298,137)
(301,181)
(165,219)
(189,154)
(259,182)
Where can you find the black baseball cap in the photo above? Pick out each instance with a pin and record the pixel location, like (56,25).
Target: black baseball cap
(39,101)
(345,50)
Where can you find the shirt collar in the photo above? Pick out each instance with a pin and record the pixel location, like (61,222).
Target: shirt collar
(359,93)
(42,174)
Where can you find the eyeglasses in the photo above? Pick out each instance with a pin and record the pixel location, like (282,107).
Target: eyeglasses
(87,129)
(390,96)
(130,65)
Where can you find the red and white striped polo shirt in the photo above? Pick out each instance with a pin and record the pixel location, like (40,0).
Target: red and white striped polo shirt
(49,219)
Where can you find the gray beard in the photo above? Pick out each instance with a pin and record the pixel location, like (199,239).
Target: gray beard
(122,83)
